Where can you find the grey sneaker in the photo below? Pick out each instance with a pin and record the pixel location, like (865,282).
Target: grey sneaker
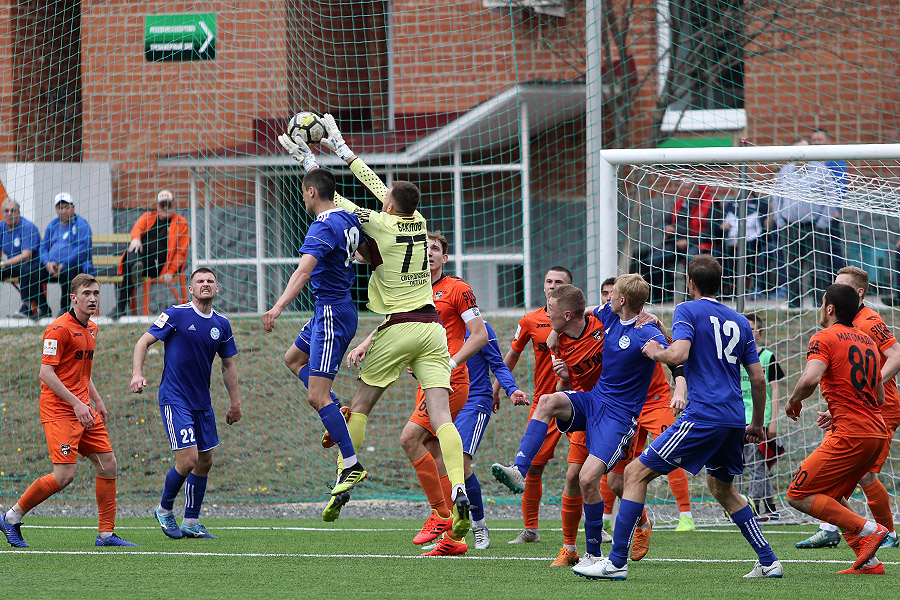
(605,538)
(526,536)
(482,538)
(821,539)
(509,476)
(773,570)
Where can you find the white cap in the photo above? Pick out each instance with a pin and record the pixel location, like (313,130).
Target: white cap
(165,196)
(63,197)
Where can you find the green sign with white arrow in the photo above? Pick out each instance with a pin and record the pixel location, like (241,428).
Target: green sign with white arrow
(180,37)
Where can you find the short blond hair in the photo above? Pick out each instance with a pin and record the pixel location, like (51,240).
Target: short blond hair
(82,280)
(634,289)
(859,276)
(569,297)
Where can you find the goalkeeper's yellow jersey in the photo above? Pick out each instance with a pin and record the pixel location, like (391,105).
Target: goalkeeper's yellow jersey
(401,280)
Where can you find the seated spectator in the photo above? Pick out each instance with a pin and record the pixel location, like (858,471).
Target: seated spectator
(159,245)
(20,241)
(688,233)
(762,268)
(66,248)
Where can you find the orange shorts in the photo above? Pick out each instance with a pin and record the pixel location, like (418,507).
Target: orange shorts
(836,466)
(67,439)
(652,421)
(892,428)
(458,398)
(578,451)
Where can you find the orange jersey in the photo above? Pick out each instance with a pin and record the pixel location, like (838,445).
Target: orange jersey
(534,327)
(583,355)
(68,346)
(872,324)
(660,393)
(849,383)
(455,303)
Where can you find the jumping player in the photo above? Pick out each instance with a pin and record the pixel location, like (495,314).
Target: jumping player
(845,360)
(193,334)
(71,425)
(315,356)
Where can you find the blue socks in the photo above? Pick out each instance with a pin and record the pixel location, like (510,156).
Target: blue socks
(531,443)
(304,378)
(174,481)
(336,426)
(748,525)
(194,490)
(629,514)
(593,527)
(473,491)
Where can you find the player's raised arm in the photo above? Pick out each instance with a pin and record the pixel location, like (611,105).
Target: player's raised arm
(334,141)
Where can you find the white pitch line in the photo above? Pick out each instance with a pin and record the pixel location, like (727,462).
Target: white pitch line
(366,530)
(387,556)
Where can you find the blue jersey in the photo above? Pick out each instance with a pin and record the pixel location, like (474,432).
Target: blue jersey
(333,239)
(24,236)
(721,341)
(192,340)
(627,372)
(489,357)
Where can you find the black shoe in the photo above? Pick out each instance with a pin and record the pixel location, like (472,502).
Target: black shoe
(349,477)
(891,300)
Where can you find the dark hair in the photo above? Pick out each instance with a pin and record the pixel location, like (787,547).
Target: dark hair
(608,281)
(820,130)
(845,301)
(560,269)
(757,319)
(706,273)
(202,270)
(323,181)
(406,196)
(440,237)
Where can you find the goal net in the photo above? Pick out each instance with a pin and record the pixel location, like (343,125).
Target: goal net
(781,230)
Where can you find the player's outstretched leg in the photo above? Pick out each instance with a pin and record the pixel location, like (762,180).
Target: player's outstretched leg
(13,532)
(822,538)
(513,476)
(448,545)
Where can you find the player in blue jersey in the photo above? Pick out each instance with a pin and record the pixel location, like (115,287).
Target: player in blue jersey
(712,341)
(192,334)
(315,356)
(474,417)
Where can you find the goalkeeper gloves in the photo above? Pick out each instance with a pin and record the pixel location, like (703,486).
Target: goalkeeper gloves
(299,151)
(334,141)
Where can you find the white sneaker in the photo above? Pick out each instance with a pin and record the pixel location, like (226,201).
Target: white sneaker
(526,536)
(509,476)
(605,538)
(773,570)
(602,569)
(482,538)
(429,547)
(587,560)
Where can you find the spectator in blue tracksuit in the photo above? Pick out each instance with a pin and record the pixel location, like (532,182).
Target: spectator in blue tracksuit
(20,242)
(66,247)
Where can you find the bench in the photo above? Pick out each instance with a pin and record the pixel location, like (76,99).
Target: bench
(106,253)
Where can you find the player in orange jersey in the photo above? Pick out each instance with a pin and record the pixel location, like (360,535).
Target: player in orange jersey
(71,425)
(455,303)
(534,328)
(876,494)
(845,360)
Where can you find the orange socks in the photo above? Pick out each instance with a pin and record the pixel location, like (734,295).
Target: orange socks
(609,498)
(427,472)
(571,517)
(37,492)
(880,504)
(447,490)
(678,483)
(106,503)
(832,511)
(531,501)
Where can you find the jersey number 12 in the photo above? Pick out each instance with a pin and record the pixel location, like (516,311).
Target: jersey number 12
(730,330)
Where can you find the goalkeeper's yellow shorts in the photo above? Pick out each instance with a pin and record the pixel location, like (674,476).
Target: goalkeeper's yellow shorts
(422,346)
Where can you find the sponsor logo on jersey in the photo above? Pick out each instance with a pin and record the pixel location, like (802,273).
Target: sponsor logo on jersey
(161,320)
(64,449)
(624,342)
(438,294)
(93,335)
(542,325)
(214,333)
(597,334)
(50,347)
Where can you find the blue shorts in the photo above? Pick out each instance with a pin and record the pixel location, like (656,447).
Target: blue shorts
(186,427)
(692,446)
(472,421)
(606,435)
(325,338)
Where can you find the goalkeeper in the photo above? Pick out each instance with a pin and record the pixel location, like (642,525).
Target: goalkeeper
(411,333)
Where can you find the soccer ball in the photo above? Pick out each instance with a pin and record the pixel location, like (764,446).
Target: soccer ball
(306,126)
